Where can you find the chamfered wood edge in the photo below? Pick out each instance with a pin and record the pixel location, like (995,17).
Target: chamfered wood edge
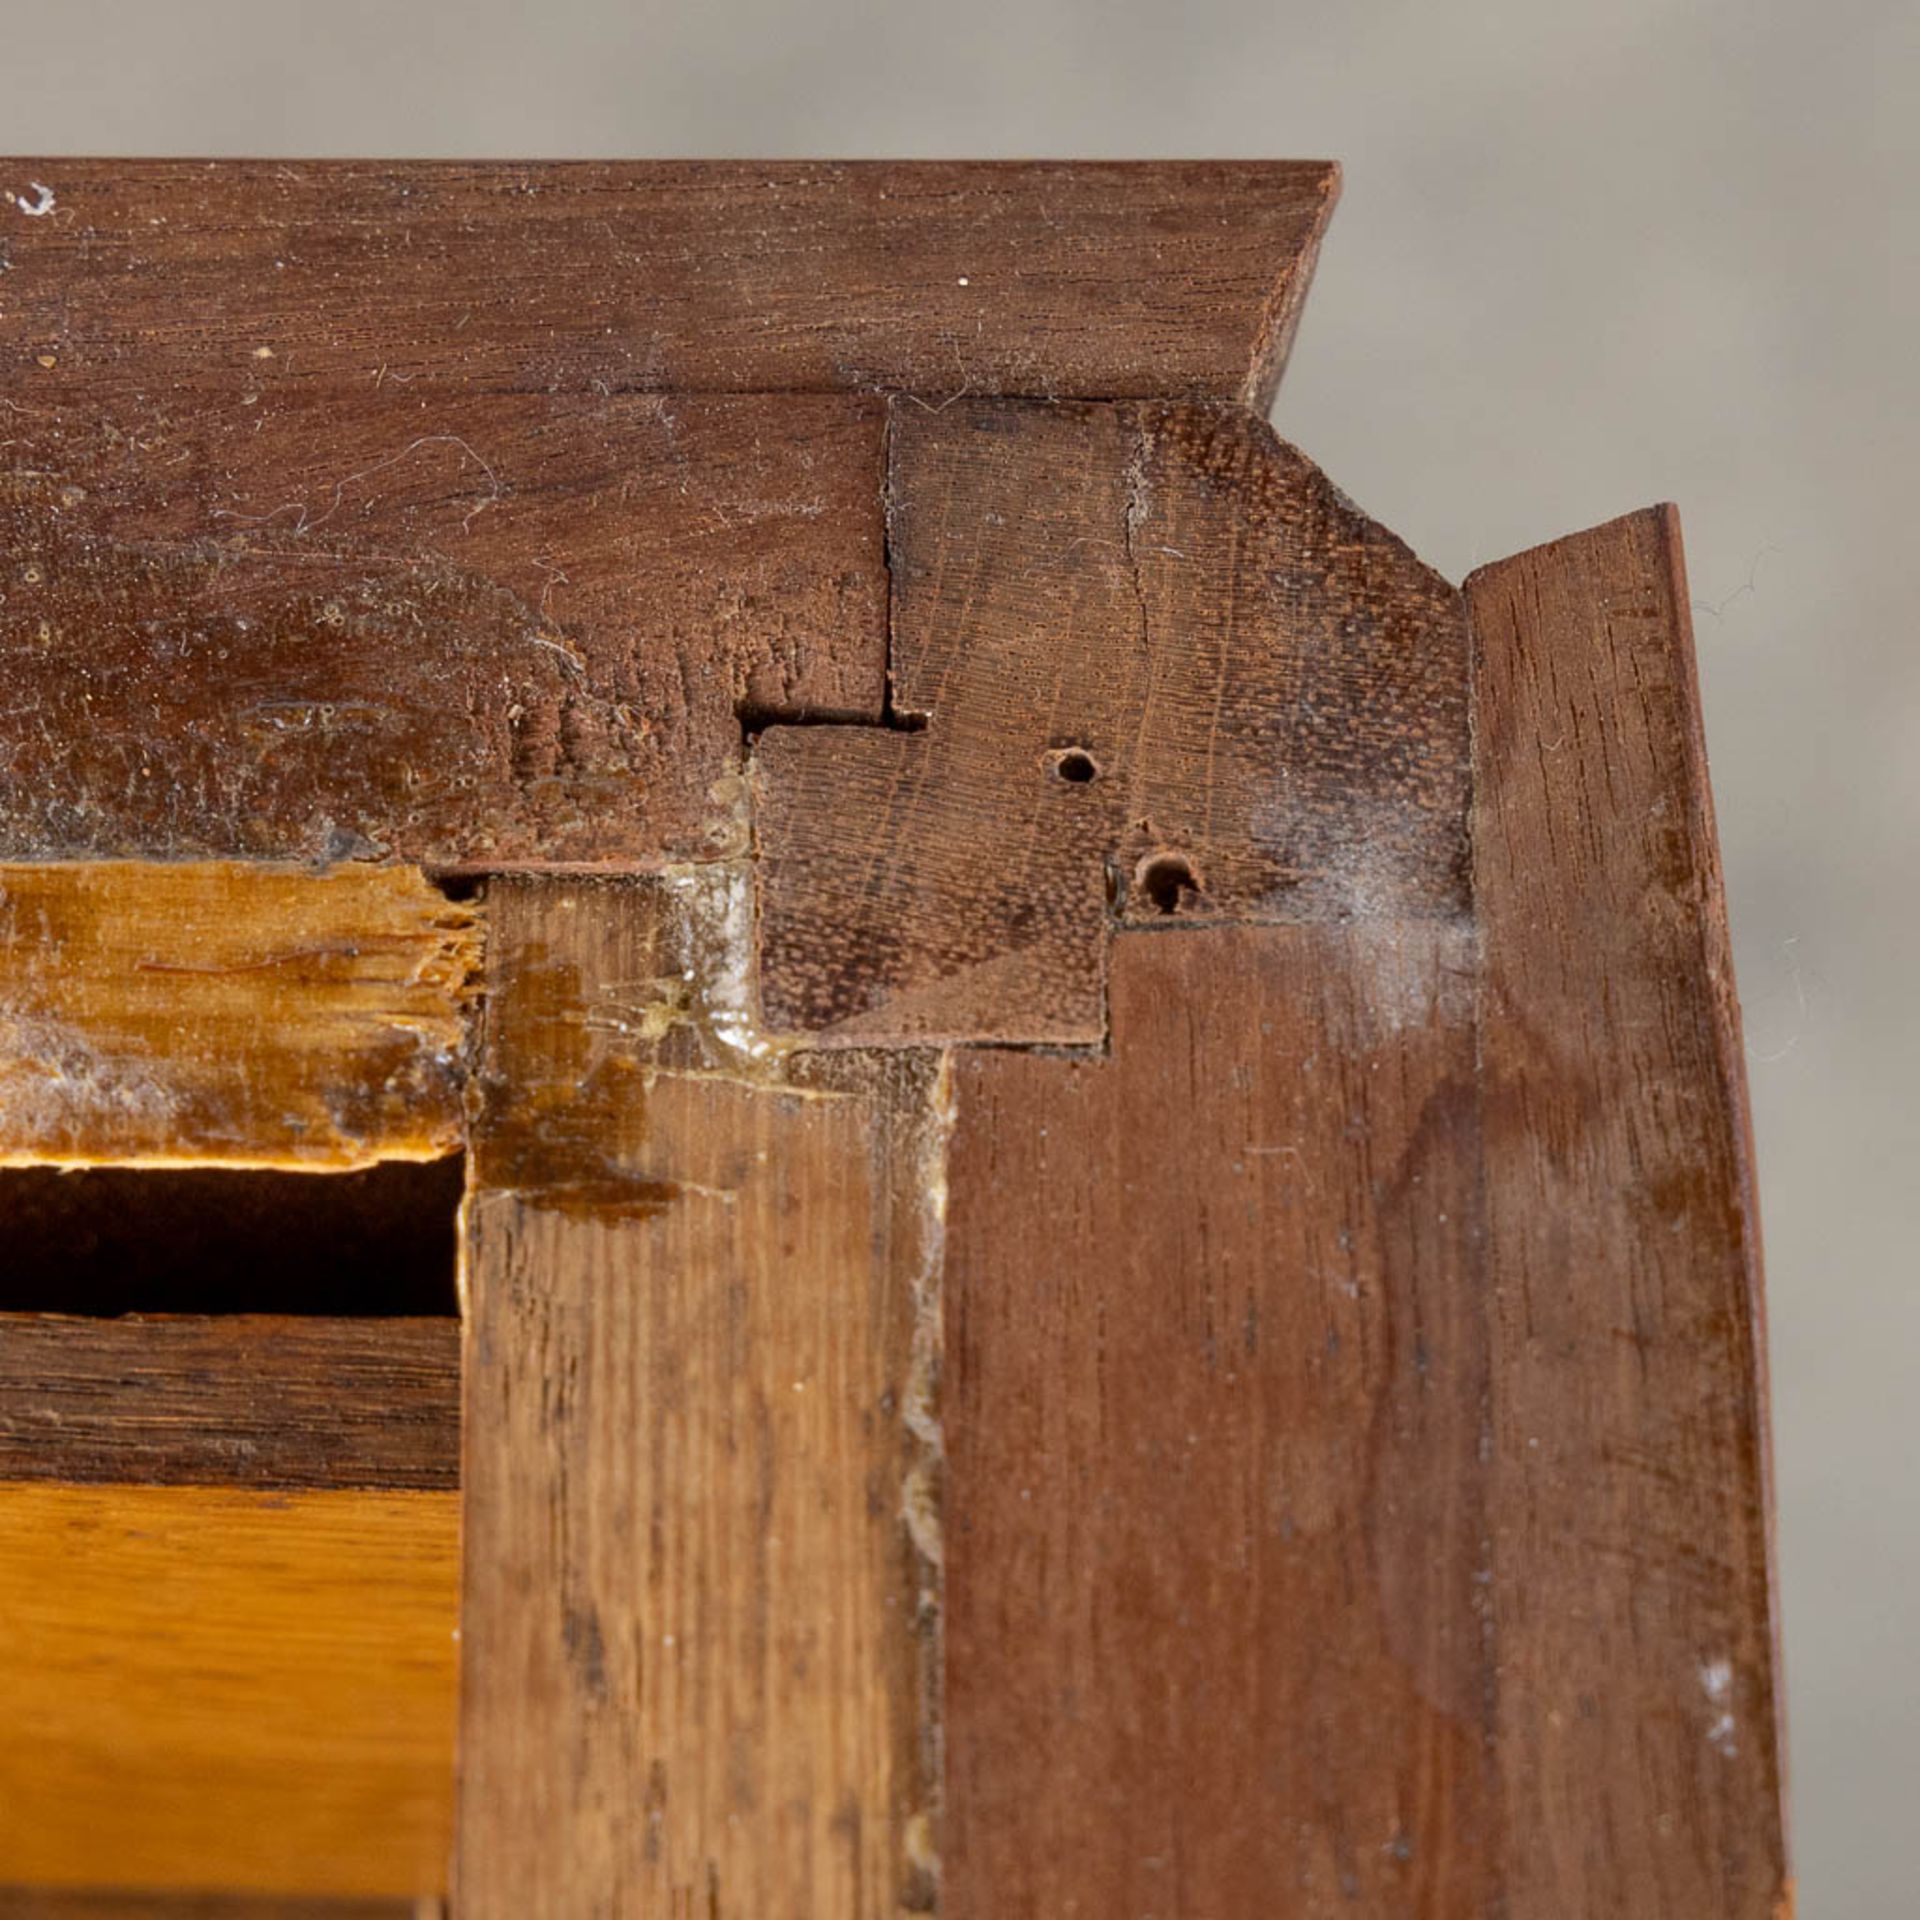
(240,1400)
(1285,303)
(1135,334)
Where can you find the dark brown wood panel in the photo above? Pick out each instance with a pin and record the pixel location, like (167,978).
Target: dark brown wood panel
(1637,1724)
(1078,278)
(458,628)
(231,1400)
(1168,672)
(1215,1388)
(701,1560)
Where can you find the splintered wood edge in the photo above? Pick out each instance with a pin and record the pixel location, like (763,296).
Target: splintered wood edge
(225,1014)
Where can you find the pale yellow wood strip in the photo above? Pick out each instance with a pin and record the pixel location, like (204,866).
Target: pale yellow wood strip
(226,1014)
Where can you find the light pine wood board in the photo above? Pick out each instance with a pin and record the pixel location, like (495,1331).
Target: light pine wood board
(220,1687)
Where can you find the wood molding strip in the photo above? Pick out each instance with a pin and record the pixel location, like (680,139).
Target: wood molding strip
(1638,1713)
(1064,278)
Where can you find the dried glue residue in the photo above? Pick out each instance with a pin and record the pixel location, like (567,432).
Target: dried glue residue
(923,1483)
(1716,1682)
(715,926)
(561,1116)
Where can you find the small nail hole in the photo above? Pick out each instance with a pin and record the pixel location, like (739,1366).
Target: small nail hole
(1165,880)
(1075,764)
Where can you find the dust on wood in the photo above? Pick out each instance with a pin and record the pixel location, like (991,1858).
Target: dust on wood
(1168,675)
(701,1605)
(1216,1377)
(225,1014)
(503,630)
(445,278)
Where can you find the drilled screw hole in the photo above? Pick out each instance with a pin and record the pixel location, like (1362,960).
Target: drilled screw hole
(1075,764)
(1165,880)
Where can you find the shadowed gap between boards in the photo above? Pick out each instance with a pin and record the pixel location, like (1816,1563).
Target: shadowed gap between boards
(103,1241)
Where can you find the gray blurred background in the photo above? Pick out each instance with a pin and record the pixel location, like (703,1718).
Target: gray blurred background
(1588,257)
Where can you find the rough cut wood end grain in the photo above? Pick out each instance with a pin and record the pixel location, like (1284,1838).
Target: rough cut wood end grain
(217,1014)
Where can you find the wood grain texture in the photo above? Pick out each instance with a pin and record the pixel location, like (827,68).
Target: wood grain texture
(1167,671)
(699,1606)
(41,1903)
(1215,1383)
(1088,279)
(231,1400)
(1638,1715)
(223,1014)
(462,629)
(214,1687)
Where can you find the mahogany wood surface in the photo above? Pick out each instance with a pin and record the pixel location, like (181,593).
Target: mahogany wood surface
(1060,279)
(1109,1263)
(1638,1712)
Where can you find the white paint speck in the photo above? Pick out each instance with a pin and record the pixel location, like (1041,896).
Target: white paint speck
(44,203)
(964,281)
(1716,1681)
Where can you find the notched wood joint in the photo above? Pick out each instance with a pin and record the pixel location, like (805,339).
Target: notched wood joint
(1169,676)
